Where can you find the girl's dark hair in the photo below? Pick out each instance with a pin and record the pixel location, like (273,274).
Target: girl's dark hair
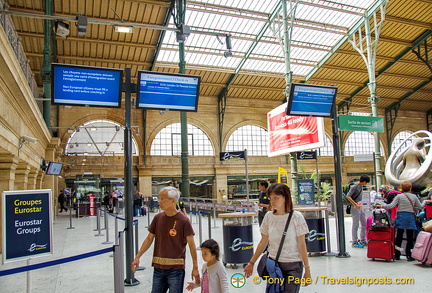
(281,189)
(263,183)
(213,246)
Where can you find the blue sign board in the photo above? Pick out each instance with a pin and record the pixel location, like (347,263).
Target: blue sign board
(168,91)
(310,100)
(27,224)
(306,192)
(86,86)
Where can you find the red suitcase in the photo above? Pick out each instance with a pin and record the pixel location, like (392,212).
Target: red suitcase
(381,243)
(423,248)
(428,209)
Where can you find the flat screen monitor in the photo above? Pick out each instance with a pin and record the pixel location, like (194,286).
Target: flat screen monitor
(86,86)
(54,168)
(311,100)
(168,91)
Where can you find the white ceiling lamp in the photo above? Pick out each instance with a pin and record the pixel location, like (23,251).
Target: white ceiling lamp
(123,29)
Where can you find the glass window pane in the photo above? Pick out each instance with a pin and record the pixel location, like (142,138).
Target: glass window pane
(250,137)
(168,142)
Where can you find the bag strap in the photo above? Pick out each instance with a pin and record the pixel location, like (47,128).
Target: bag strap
(412,205)
(284,234)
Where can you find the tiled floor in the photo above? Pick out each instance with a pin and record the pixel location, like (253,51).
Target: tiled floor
(96,274)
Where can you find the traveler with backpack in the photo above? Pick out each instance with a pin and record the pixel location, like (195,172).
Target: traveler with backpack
(354,196)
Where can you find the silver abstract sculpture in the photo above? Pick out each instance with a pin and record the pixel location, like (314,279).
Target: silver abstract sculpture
(411,162)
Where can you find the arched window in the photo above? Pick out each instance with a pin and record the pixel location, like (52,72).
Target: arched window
(360,142)
(250,137)
(399,138)
(98,138)
(168,142)
(327,150)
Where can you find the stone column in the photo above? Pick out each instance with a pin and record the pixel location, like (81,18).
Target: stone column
(220,187)
(8,165)
(51,181)
(32,178)
(145,185)
(21,176)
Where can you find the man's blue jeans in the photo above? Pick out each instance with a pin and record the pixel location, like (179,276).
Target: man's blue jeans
(172,279)
(137,210)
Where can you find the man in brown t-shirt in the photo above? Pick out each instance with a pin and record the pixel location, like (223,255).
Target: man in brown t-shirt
(171,230)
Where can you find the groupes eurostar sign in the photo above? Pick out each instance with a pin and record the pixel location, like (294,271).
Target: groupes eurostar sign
(27,224)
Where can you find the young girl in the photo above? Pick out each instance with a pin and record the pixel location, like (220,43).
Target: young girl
(214,278)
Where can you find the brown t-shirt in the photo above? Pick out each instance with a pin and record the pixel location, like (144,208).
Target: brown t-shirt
(170,240)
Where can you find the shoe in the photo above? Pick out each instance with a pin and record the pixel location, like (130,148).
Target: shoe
(409,258)
(364,243)
(357,245)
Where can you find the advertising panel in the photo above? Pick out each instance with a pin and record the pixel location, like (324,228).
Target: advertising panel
(293,133)
(27,224)
(306,190)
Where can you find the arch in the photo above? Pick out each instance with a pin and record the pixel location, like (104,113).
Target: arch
(167,142)
(251,137)
(204,127)
(361,142)
(98,138)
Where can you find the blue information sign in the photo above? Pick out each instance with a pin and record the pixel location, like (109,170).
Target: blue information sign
(27,224)
(167,91)
(86,86)
(311,100)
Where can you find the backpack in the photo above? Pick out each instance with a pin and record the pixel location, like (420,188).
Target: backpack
(345,189)
(380,219)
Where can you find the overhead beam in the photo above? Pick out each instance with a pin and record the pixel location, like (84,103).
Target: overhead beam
(343,40)
(401,55)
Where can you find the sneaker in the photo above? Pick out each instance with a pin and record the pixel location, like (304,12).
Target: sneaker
(364,243)
(357,245)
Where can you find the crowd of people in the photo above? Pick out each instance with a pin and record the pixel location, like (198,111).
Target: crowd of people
(277,217)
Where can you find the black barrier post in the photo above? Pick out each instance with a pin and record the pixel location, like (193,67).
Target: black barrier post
(209,226)
(97,220)
(140,268)
(98,223)
(70,219)
(148,218)
(199,226)
(118,264)
(128,88)
(107,241)
(340,224)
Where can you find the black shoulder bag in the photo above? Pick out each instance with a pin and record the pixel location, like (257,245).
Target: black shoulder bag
(261,268)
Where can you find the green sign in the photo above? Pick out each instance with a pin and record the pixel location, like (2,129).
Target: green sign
(361,123)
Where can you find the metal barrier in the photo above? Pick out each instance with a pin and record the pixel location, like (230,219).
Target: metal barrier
(118,263)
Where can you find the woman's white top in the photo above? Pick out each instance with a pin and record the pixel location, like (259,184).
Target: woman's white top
(274,225)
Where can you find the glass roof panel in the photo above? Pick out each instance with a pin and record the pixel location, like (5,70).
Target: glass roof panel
(319,25)
(98,138)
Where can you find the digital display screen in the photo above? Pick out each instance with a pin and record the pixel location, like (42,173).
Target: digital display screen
(311,100)
(54,168)
(167,91)
(86,86)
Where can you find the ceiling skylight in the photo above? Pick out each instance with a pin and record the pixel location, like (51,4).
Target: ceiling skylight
(319,25)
